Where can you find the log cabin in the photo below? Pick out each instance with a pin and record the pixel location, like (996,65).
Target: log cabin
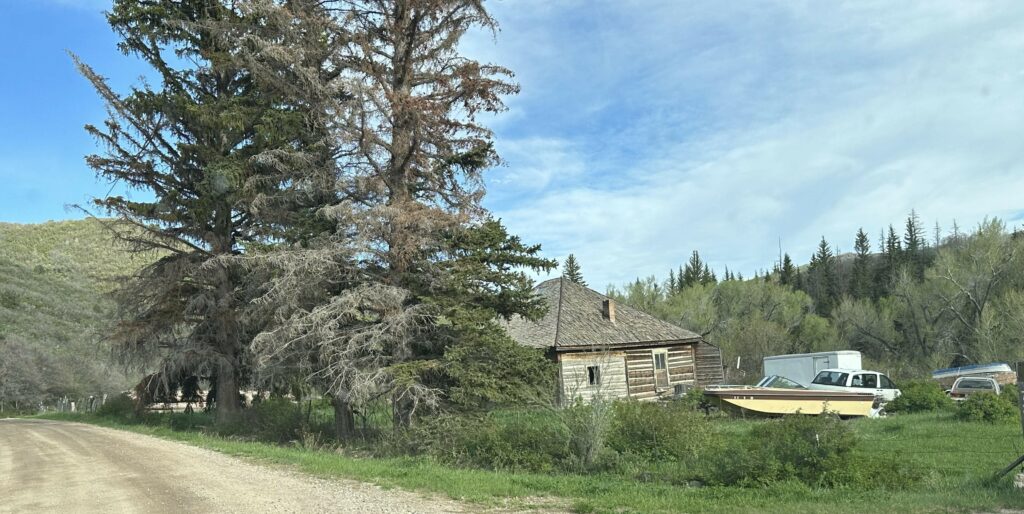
(606,348)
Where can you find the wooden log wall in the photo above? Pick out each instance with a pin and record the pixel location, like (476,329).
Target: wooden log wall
(640,370)
(709,365)
(574,379)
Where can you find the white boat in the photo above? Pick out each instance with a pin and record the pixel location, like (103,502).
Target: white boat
(1000,371)
(781,397)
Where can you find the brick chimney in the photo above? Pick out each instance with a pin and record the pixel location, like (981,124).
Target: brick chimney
(609,309)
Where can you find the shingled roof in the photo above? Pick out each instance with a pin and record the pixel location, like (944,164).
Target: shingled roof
(576,319)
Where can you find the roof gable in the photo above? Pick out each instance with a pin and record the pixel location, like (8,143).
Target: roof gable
(575,319)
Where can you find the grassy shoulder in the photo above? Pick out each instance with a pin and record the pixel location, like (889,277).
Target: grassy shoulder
(959,458)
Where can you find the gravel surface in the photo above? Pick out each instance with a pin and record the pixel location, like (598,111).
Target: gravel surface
(51,466)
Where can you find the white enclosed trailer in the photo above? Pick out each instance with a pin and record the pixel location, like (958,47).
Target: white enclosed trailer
(803,367)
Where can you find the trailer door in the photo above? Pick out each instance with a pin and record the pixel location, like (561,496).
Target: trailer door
(820,363)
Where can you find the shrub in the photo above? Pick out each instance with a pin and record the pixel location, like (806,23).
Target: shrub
(9,299)
(694,399)
(816,450)
(1010,393)
(117,407)
(275,420)
(659,430)
(501,440)
(588,425)
(920,396)
(987,407)
(189,421)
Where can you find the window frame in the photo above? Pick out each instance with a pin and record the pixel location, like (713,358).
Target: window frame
(663,352)
(594,375)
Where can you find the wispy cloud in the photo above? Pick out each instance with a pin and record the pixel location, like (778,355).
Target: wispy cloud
(646,131)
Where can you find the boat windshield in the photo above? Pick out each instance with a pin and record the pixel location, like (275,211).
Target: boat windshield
(831,378)
(781,383)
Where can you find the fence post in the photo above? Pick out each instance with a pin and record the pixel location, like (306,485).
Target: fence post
(1020,402)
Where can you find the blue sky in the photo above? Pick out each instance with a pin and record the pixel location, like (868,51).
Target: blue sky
(648,129)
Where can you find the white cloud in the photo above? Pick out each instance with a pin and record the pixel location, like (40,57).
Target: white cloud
(726,127)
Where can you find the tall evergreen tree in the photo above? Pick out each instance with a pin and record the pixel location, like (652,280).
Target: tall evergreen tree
(707,277)
(412,157)
(191,145)
(787,271)
(860,275)
(913,246)
(823,279)
(693,273)
(571,271)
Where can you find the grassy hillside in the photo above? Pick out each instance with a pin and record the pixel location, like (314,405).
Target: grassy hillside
(55,309)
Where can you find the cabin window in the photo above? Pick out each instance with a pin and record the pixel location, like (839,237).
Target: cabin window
(661,368)
(594,375)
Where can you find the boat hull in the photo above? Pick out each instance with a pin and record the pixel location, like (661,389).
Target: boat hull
(1002,372)
(778,402)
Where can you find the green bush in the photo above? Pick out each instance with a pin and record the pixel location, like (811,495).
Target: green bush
(191,421)
(652,430)
(987,407)
(1010,393)
(816,450)
(694,399)
(275,420)
(920,396)
(588,425)
(117,407)
(501,440)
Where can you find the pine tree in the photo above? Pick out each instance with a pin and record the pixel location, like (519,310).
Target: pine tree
(913,246)
(193,146)
(572,271)
(672,286)
(693,273)
(823,282)
(786,271)
(707,277)
(860,275)
(427,268)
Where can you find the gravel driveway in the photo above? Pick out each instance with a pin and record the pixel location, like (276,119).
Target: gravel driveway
(51,466)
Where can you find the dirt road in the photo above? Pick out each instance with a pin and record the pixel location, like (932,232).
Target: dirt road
(50,466)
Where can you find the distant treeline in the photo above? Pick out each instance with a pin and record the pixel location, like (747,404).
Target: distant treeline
(917,303)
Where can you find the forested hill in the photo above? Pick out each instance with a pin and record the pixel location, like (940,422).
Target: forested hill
(54,309)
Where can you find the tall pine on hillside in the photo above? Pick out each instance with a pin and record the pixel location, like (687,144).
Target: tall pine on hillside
(694,271)
(787,272)
(914,244)
(822,280)
(860,274)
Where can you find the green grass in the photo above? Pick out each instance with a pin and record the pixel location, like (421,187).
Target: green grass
(961,458)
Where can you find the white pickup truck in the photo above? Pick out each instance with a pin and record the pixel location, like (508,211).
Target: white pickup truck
(856,381)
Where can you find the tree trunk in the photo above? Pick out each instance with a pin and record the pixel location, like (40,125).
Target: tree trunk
(402,411)
(344,419)
(228,401)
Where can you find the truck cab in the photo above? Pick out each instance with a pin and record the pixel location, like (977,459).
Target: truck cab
(857,381)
